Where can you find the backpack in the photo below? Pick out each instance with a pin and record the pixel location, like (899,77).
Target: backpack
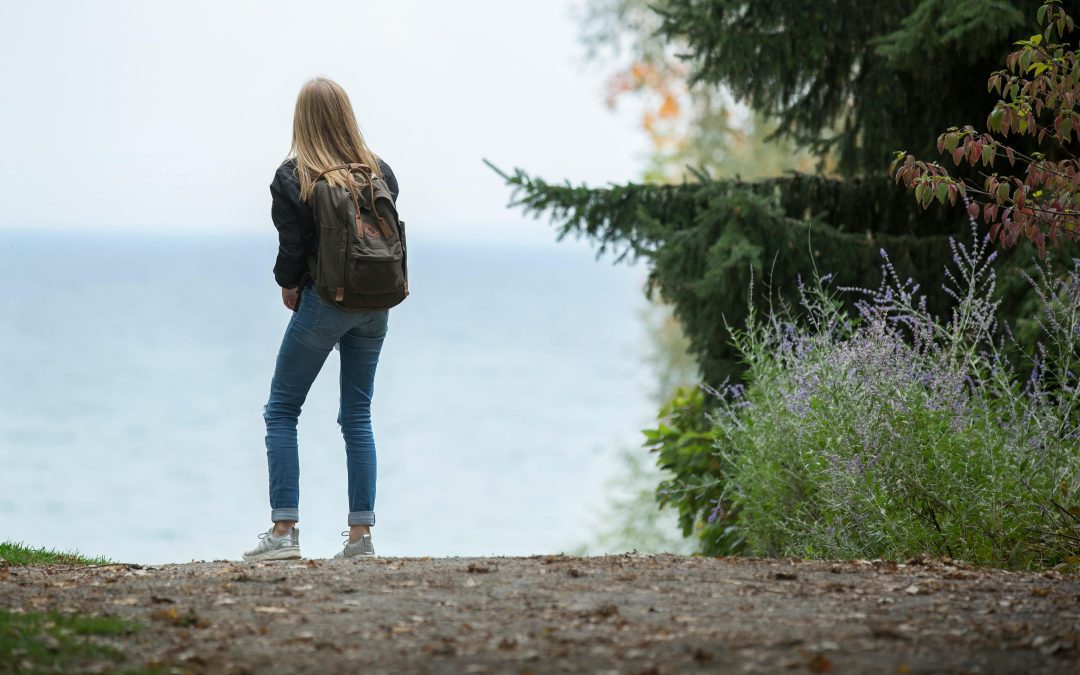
(360,264)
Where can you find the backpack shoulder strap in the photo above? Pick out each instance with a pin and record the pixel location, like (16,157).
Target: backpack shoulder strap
(353,168)
(356,167)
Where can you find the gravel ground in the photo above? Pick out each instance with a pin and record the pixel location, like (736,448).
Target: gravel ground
(625,613)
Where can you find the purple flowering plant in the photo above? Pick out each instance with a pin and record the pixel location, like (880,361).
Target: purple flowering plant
(887,432)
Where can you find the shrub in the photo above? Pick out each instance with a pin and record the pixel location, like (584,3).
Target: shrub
(891,433)
(684,442)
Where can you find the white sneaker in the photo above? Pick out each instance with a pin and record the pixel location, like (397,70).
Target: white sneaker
(360,547)
(275,548)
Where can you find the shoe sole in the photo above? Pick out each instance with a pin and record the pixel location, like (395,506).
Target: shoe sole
(277,554)
(356,555)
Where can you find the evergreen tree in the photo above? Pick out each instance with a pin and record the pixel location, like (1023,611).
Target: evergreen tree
(707,241)
(856,79)
(862,79)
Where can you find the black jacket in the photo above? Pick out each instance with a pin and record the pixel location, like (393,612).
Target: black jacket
(297,235)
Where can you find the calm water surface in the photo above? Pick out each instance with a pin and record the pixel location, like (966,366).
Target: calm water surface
(133,371)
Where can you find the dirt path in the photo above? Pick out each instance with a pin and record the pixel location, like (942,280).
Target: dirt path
(621,614)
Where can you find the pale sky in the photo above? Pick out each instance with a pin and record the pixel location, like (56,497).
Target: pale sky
(172,116)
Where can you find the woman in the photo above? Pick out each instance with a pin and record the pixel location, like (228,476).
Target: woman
(325,134)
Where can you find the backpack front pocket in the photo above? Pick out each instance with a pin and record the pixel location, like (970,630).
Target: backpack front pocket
(370,275)
(375,254)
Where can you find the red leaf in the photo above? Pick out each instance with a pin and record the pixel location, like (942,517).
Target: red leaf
(820,664)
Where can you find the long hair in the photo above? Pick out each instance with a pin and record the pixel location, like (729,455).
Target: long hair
(325,133)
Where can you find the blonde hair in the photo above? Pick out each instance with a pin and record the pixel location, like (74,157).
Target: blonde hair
(325,134)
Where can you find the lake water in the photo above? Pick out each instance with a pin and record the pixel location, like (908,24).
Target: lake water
(133,371)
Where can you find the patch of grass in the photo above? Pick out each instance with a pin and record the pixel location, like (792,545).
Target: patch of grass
(54,642)
(18,554)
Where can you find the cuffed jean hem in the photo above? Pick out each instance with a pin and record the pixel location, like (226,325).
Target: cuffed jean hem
(278,515)
(361,518)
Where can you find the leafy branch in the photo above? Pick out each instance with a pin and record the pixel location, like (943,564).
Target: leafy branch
(1040,89)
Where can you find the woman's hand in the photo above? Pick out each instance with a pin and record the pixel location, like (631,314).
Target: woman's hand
(289,296)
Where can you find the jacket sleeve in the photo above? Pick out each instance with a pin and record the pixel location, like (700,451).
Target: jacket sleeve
(390,178)
(291,264)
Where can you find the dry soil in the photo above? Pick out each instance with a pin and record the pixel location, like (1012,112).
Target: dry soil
(626,613)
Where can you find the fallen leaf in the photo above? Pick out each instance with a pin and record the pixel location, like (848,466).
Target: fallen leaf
(188,619)
(506,644)
(820,664)
(168,615)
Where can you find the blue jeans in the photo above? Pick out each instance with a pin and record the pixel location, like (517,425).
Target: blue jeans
(312,332)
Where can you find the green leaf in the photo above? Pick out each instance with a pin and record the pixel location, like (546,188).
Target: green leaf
(942,192)
(1026,57)
(1041,14)
(996,117)
(1065,127)
(1002,193)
